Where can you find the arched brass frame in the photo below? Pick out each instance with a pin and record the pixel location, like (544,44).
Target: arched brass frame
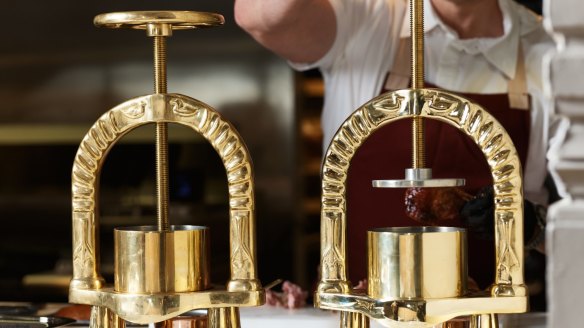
(472,120)
(154,108)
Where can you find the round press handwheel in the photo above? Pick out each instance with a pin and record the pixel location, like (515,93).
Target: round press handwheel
(140,20)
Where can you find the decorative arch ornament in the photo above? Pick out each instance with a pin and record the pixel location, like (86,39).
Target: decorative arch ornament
(171,108)
(472,120)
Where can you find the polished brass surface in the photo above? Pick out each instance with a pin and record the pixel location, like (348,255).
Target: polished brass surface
(473,121)
(148,308)
(159,33)
(160,77)
(191,319)
(105,318)
(162,197)
(418,143)
(484,321)
(179,20)
(420,312)
(151,261)
(417,44)
(418,133)
(354,320)
(160,81)
(462,322)
(409,284)
(87,286)
(416,262)
(161,271)
(224,317)
(474,321)
(159,24)
(507,294)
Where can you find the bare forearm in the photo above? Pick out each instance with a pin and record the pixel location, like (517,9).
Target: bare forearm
(267,15)
(298,30)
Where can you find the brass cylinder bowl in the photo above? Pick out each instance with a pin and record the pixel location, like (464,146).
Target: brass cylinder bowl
(416,262)
(151,261)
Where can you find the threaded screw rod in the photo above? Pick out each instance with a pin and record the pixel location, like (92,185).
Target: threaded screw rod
(161,137)
(417,34)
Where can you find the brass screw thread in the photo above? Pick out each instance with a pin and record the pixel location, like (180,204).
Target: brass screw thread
(159,64)
(162,176)
(161,137)
(418,149)
(417,31)
(417,34)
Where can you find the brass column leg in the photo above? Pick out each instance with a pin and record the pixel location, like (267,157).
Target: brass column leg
(224,317)
(102,317)
(162,324)
(484,321)
(474,321)
(494,320)
(354,320)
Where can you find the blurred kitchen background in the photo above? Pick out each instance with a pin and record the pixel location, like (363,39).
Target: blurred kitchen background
(58,74)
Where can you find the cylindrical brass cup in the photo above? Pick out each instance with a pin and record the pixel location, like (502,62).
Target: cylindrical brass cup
(416,262)
(151,261)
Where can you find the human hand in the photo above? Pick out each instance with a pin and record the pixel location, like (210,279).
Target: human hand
(477,215)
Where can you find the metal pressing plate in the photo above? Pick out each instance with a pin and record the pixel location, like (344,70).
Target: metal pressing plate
(421,177)
(430,183)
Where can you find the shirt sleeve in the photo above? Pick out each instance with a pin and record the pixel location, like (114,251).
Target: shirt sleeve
(353,17)
(340,9)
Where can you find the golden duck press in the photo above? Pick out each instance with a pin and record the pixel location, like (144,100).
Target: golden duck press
(417,276)
(162,271)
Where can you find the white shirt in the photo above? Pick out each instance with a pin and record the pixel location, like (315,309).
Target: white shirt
(367,39)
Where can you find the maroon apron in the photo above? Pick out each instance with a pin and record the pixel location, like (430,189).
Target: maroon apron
(450,154)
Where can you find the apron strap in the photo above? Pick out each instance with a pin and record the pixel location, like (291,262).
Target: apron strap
(400,75)
(517,87)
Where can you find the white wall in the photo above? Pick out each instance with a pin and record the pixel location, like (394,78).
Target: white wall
(565,229)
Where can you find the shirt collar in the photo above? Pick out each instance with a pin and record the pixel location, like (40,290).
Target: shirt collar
(500,52)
